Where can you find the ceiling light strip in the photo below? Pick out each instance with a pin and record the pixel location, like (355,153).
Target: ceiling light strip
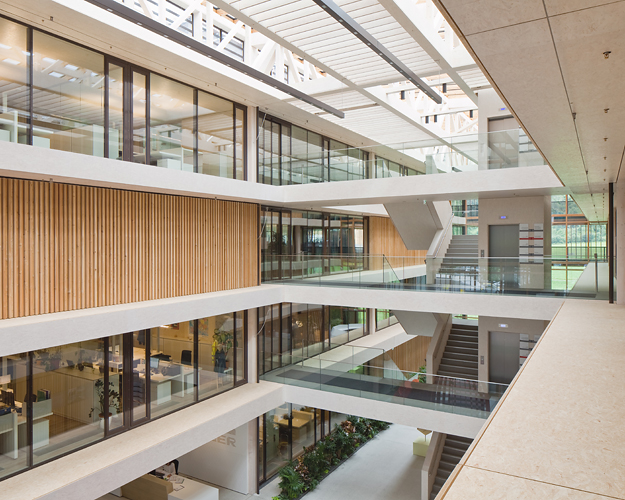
(160,29)
(342,17)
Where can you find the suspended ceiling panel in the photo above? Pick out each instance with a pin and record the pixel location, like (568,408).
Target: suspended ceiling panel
(547,60)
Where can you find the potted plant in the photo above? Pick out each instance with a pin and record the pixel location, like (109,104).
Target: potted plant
(222,343)
(114,400)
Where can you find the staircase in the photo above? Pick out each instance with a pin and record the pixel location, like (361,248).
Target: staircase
(453,450)
(460,358)
(462,250)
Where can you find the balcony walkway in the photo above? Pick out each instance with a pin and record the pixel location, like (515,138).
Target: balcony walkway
(558,431)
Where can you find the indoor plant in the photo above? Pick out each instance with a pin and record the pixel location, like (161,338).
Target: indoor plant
(114,399)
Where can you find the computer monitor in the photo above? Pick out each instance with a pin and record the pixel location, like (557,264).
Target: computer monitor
(154,363)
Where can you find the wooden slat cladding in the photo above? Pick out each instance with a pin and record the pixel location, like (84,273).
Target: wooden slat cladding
(384,239)
(410,356)
(67,247)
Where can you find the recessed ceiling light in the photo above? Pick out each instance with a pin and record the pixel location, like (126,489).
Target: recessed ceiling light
(3,46)
(11,61)
(56,74)
(49,60)
(71,67)
(73,79)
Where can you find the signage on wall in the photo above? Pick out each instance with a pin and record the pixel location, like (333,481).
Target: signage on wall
(227,439)
(531,243)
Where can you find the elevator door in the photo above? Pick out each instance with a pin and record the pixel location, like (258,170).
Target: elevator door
(503,241)
(503,356)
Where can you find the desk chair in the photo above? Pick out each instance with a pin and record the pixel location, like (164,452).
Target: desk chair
(186,358)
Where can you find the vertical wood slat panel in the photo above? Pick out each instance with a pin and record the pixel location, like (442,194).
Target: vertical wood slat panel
(385,240)
(68,247)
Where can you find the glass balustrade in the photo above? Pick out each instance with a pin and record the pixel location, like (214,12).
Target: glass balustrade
(529,275)
(351,376)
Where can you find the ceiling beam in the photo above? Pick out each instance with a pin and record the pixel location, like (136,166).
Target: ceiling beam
(364,36)
(186,41)
(406,15)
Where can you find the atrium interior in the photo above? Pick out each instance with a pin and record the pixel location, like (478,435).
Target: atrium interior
(343,248)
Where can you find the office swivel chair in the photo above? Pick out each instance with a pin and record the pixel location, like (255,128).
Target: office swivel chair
(186,358)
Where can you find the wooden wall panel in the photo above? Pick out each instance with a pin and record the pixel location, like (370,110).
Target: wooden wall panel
(67,247)
(385,240)
(410,355)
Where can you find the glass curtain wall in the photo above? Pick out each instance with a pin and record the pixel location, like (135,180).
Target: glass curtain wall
(290,332)
(57,400)
(68,96)
(284,433)
(15,448)
(288,154)
(574,237)
(88,103)
(14,91)
(384,318)
(290,238)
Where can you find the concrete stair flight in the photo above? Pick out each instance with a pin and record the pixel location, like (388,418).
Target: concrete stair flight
(453,450)
(460,358)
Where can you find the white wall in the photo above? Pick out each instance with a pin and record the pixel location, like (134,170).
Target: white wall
(224,461)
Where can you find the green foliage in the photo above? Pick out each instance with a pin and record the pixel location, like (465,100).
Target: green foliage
(303,474)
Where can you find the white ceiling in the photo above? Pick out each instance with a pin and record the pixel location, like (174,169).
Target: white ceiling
(306,29)
(546,59)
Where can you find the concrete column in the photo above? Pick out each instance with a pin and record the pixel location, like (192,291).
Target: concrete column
(619,241)
(371,319)
(252,457)
(252,345)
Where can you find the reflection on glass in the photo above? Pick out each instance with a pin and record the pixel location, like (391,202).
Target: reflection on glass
(13,78)
(116,112)
(277,439)
(116,373)
(172,115)
(239,347)
(302,428)
(346,324)
(139,363)
(171,367)
(240,150)
(68,398)
(216,350)
(139,106)
(13,427)
(68,96)
(215,136)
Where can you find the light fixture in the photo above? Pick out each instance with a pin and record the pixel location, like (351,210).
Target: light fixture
(56,74)
(11,61)
(71,67)
(49,60)
(5,47)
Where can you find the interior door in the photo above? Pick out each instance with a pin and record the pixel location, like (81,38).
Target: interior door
(503,250)
(503,356)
